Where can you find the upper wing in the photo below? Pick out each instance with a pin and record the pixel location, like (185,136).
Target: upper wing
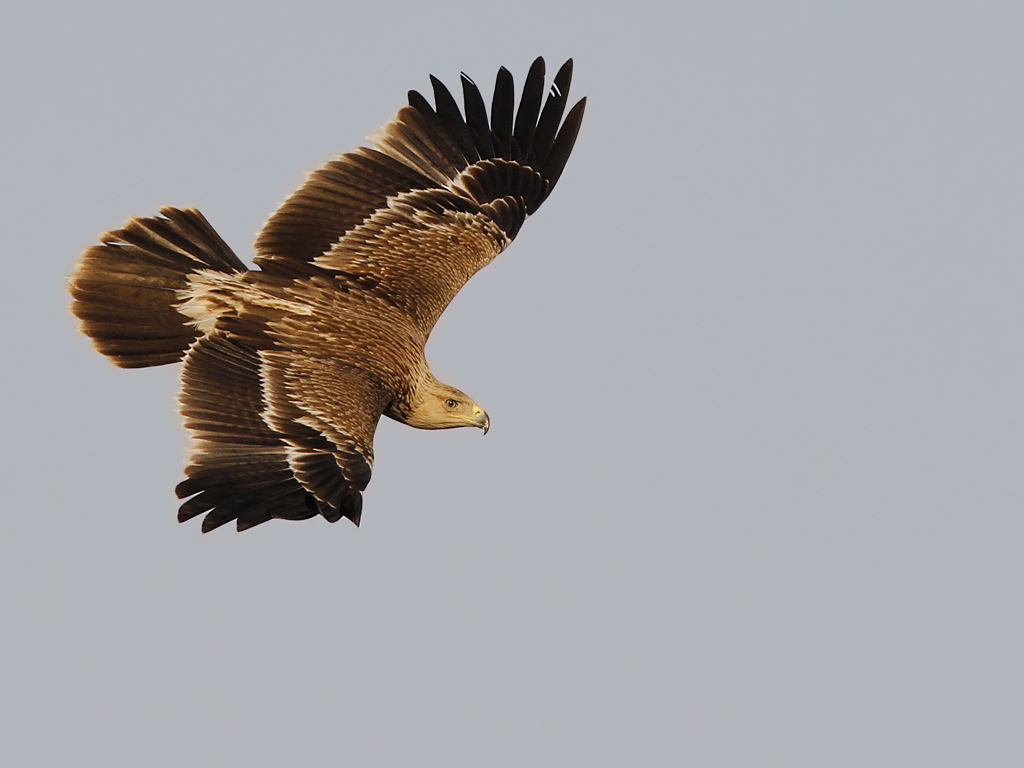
(274,434)
(435,199)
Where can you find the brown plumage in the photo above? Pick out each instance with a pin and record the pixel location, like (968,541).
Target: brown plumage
(289,368)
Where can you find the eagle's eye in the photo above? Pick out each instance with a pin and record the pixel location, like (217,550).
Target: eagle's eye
(451,402)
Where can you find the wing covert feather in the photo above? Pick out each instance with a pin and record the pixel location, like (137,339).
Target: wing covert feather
(422,249)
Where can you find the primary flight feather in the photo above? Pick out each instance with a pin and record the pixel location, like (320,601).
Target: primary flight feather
(289,368)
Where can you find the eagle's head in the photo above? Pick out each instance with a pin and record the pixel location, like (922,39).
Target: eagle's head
(439,406)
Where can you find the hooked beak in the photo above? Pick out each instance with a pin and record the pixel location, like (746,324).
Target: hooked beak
(480,419)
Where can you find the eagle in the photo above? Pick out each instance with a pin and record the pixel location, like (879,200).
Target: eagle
(289,367)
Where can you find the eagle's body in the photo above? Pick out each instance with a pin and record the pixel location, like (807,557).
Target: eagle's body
(289,368)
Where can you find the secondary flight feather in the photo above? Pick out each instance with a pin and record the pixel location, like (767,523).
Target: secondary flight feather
(288,368)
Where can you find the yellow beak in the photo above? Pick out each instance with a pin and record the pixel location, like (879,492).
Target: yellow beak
(480,419)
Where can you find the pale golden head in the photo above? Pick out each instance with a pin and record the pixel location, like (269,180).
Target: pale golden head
(440,406)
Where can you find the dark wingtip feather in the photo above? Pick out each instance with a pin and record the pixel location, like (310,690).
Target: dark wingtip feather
(502,108)
(564,141)
(551,116)
(418,101)
(448,110)
(213,521)
(354,510)
(476,117)
(330,514)
(245,523)
(529,110)
(351,506)
(523,151)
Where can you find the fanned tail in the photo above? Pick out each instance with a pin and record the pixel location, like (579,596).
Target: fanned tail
(125,290)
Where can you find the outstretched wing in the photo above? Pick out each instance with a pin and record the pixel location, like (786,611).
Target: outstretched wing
(258,450)
(437,197)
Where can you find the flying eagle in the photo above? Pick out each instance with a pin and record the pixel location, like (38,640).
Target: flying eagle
(288,368)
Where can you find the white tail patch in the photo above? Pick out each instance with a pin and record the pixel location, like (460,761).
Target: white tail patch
(212,295)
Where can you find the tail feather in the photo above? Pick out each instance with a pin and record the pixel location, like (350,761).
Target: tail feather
(125,290)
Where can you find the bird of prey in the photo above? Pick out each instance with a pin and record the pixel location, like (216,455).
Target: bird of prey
(288,368)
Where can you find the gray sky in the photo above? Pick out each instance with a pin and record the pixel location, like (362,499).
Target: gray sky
(753,490)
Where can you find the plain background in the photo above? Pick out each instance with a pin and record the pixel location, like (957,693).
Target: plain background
(753,492)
